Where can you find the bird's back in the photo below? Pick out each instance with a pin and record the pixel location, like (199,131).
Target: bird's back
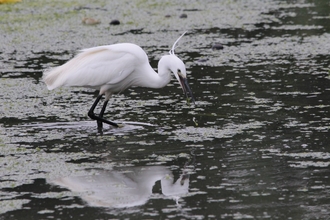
(98,66)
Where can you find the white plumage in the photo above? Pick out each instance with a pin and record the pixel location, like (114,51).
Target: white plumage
(112,69)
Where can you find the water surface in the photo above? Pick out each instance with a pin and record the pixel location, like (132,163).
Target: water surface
(254,146)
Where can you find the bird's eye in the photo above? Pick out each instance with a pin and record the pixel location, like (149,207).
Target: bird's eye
(179,71)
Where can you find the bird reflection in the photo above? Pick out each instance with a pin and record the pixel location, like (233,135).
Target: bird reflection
(126,187)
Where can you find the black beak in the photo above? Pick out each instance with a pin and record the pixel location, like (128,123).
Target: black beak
(186,89)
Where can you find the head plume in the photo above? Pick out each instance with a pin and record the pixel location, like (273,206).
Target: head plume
(174,45)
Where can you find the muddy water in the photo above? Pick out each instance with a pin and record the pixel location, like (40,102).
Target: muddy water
(255,145)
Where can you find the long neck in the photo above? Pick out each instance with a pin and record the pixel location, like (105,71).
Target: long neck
(147,76)
(164,72)
(156,80)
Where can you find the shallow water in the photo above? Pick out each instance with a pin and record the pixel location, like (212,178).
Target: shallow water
(255,145)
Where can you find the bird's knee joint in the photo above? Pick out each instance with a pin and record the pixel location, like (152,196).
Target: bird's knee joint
(92,115)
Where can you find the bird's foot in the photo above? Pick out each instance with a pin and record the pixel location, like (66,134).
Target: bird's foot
(120,125)
(101,120)
(100,124)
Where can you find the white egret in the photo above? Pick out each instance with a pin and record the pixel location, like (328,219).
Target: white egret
(125,187)
(112,69)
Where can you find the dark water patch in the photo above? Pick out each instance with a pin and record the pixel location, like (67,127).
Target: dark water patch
(255,144)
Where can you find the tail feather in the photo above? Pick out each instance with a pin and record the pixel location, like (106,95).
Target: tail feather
(60,75)
(52,78)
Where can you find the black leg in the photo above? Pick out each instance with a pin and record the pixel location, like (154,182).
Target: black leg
(99,123)
(100,118)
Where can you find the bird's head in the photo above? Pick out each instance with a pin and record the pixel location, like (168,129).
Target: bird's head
(178,68)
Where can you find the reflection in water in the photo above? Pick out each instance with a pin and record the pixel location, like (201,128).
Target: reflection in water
(125,187)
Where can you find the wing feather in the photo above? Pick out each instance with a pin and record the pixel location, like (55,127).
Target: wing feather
(98,66)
